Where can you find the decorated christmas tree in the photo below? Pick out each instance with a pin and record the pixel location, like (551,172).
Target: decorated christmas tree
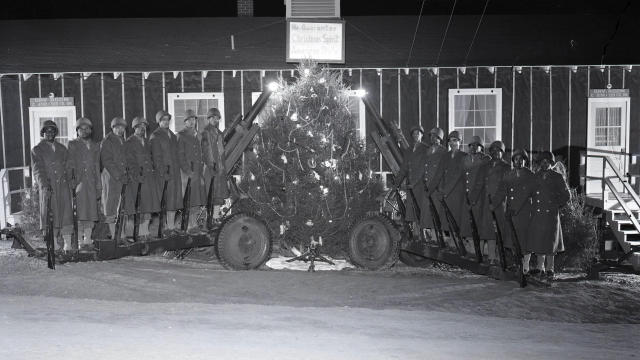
(311,175)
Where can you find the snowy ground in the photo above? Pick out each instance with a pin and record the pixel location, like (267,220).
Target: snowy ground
(154,308)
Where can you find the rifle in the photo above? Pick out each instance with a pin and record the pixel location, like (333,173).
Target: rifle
(163,204)
(435,217)
(474,229)
(48,237)
(454,229)
(518,251)
(499,240)
(186,204)
(136,214)
(74,207)
(210,203)
(120,214)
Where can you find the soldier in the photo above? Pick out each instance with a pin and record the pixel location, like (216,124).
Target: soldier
(141,172)
(496,169)
(432,176)
(413,170)
(83,170)
(213,156)
(192,165)
(114,172)
(549,193)
(164,152)
(49,159)
(515,189)
(474,166)
(451,186)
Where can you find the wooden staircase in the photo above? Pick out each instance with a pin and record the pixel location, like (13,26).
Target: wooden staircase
(626,234)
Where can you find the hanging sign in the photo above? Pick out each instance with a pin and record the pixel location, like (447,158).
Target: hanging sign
(51,101)
(318,40)
(608,93)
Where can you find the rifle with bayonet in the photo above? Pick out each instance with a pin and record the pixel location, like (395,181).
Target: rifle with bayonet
(517,251)
(474,229)
(435,217)
(49,236)
(454,229)
(120,213)
(499,239)
(136,214)
(163,203)
(186,203)
(74,208)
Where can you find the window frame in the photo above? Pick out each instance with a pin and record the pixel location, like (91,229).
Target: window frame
(477,91)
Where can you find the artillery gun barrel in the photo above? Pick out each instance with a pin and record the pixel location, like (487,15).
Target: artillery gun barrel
(387,140)
(385,127)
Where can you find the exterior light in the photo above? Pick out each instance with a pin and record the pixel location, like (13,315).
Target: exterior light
(361,92)
(273,86)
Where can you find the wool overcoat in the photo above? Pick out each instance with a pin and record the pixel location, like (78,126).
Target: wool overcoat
(413,170)
(213,156)
(452,184)
(475,169)
(495,172)
(83,170)
(432,175)
(515,190)
(114,172)
(549,194)
(141,171)
(192,161)
(49,169)
(164,152)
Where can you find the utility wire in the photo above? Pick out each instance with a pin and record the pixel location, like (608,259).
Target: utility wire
(416,31)
(444,37)
(615,32)
(476,33)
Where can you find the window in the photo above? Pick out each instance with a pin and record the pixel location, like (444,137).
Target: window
(476,112)
(608,126)
(63,116)
(179,103)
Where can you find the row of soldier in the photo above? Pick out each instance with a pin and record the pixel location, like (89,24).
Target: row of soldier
(485,184)
(160,163)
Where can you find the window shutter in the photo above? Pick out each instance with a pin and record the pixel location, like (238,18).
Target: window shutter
(313,8)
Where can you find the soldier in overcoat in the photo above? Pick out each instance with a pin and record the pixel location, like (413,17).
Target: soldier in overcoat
(413,171)
(141,171)
(114,170)
(515,190)
(164,152)
(192,166)
(451,187)
(49,159)
(213,156)
(432,176)
(496,169)
(474,166)
(548,195)
(83,170)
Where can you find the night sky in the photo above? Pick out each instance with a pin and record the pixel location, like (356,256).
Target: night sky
(52,9)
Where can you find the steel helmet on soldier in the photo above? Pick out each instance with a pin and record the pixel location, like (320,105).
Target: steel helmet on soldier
(417,127)
(83,121)
(48,124)
(498,144)
(520,152)
(548,155)
(213,112)
(138,120)
(118,121)
(476,140)
(190,114)
(454,135)
(437,132)
(160,114)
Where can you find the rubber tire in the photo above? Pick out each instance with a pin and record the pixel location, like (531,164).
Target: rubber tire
(238,256)
(387,240)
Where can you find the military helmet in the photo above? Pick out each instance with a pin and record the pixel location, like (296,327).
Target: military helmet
(48,124)
(138,120)
(519,152)
(118,121)
(498,144)
(548,155)
(83,121)
(454,134)
(213,112)
(160,114)
(190,114)
(476,140)
(417,127)
(437,132)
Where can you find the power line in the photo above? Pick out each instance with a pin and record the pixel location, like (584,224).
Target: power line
(476,33)
(444,37)
(416,31)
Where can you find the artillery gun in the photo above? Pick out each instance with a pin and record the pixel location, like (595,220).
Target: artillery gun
(240,240)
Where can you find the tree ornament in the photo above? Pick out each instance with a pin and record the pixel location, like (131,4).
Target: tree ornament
(311,162)
(283,158)
(294,117)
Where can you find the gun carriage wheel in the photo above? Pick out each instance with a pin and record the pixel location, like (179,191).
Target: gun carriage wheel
(374,243)
(243,243)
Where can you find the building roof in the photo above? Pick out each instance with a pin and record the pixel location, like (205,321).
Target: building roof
(172,44)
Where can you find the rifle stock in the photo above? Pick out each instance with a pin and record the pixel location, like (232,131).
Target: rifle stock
(210,203)
(186,204)
(517,251)
(120,214)
(474,229)
(74,208)
(136,215)
(163,205)
(499,239)
(454,229)
(435,217)
(49,237)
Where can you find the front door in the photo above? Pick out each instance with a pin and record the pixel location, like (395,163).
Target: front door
(63,116)
(608,123)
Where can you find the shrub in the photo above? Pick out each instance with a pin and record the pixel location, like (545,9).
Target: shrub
(579,234)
